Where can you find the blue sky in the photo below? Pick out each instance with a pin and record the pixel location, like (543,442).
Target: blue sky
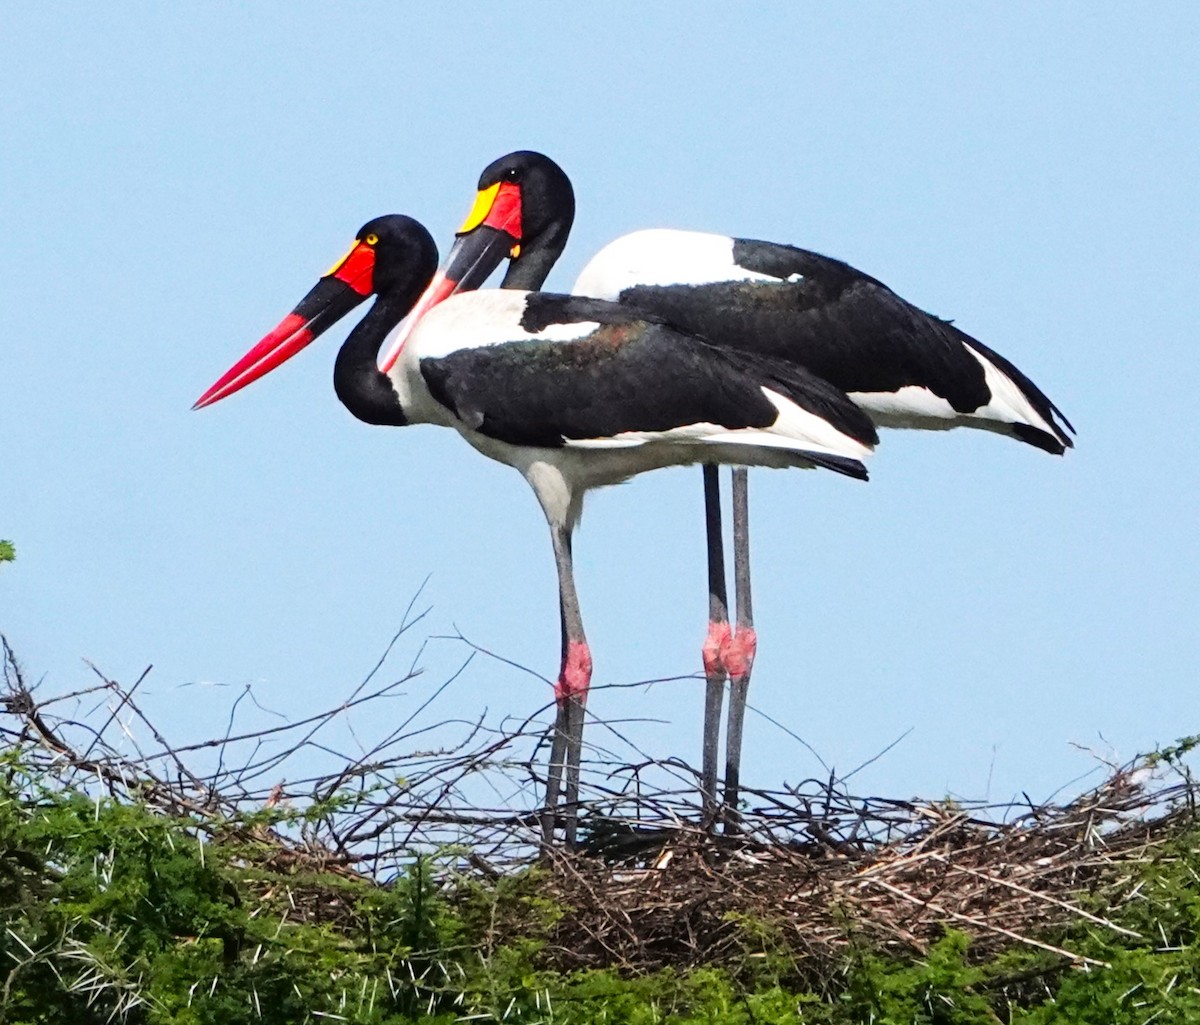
(174,178)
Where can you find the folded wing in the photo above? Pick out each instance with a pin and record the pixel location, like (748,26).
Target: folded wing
(632,381)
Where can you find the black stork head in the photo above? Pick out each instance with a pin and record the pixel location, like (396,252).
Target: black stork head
(393,257)
(523,211)
(545,204)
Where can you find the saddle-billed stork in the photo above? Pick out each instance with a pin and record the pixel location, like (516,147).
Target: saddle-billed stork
(902,366)
(575,393)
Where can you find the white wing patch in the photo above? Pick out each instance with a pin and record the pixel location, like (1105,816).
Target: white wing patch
(916,407)
(629,439)
(1008,403)
(688,434)
(794,429)
(910,405)
(811,431)
(662,256)
(476,320)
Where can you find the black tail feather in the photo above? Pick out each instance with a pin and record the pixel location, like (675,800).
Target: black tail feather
(1038,438)
(839,464)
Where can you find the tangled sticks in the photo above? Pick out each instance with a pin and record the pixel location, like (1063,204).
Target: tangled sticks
(815,869)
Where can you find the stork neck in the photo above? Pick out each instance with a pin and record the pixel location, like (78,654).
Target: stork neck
(529,271)
(361,386)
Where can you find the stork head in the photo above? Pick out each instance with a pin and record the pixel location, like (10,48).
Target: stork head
(393,257)
(523,211)
(537,190)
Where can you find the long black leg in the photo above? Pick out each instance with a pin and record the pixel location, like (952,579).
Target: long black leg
(716,638)
(558,750)
(574,677)
(739,655)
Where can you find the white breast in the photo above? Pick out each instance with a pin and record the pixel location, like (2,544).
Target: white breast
(661,256)
(475,320)
(470,320)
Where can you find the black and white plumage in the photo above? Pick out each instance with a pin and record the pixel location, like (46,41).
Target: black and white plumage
(573,393)
(601,393)
(905,367)
(900,365)
(626,382)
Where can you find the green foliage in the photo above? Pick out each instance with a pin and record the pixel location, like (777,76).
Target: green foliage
(941,989)
(1173,754)
(7,552)
(111,912)
(108,910)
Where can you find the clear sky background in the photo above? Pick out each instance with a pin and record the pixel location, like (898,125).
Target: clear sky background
(173,178)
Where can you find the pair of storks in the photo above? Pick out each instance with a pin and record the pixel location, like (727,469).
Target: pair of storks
(675,348)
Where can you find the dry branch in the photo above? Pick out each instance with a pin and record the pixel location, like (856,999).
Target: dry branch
(814,867)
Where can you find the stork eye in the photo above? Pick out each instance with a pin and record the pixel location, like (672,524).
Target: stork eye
(371,239)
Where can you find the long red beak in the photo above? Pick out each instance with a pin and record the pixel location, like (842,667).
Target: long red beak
(335,295)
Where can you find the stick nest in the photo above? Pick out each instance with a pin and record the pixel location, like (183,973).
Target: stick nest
(805,871)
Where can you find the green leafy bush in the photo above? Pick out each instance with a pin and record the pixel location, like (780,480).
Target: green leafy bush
(110,911)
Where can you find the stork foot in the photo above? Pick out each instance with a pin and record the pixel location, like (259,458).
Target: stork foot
(738,651)
(576,674)
(717,639)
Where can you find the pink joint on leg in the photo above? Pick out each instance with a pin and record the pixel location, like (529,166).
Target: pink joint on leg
(714,643)
(576,673)
(738,652)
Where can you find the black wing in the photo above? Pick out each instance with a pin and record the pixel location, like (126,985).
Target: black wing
(629,374)
(843,325)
